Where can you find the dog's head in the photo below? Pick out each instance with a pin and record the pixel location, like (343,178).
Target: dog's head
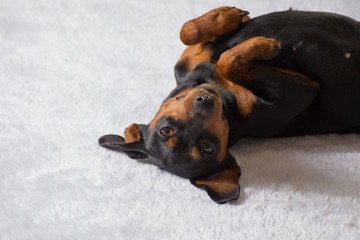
(187,137)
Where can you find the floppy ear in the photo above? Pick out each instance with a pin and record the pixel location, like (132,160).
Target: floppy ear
(132,145)
(132,133)
(222,186)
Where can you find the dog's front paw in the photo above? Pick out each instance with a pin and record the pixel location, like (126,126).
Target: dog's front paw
(270,48)
(229,15)
(207,27)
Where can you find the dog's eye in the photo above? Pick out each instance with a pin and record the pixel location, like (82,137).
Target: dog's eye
(207,147)
(167,131)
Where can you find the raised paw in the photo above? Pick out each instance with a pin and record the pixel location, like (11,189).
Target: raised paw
(270,48)
(237,60)
(207,27)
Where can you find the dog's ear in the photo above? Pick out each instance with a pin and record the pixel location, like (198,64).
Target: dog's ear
(135,133)
(222,186)
(132,145)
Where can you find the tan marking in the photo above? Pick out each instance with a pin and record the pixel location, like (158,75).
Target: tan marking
(195,153)
(173,108)
(182,110)
(235,62)
(303,77)
(193,55)
(132,133)
(234,65)
(171,142)
(218,126)
(245,18)
(224,181)
(245,99)
(214,23)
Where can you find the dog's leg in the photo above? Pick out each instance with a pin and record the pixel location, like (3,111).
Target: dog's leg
(235,62)
(279,94)
(200,31)
(191,57)
(217,22)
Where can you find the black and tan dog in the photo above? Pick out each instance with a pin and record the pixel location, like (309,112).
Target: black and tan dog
(281,74)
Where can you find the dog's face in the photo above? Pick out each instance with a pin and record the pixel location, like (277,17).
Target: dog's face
(187,137)
(189,133)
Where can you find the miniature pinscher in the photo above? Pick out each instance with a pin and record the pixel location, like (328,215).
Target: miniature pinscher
(281,74)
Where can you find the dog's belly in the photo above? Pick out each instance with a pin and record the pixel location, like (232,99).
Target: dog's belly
(324,47)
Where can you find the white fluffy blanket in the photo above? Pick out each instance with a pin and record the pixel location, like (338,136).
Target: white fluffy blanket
(71,71)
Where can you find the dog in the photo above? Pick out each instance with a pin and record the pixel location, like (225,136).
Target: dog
(277,75)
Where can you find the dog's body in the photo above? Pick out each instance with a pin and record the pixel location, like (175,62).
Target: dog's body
(323,47)
(280,74)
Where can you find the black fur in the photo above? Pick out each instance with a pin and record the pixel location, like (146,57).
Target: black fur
(324,47)
(314,44)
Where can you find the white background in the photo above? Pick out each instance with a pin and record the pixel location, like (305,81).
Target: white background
(71,71)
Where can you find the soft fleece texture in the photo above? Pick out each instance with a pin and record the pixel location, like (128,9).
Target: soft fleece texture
(71,71)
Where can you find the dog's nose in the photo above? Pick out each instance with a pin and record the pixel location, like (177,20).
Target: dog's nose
(204,103)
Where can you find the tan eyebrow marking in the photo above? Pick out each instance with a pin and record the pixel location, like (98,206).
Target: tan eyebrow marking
(195,153)
(171,142)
